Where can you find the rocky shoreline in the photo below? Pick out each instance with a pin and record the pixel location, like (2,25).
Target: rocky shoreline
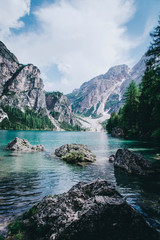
(88,211)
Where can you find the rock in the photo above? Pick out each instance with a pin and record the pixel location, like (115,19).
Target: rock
(60,108)
(132,163)
(23,145)
(75,153)
(117,132)
(111,158)
(105,92)
(21,87)
(88,211)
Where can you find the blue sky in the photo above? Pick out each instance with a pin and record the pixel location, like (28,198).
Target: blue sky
(72,41)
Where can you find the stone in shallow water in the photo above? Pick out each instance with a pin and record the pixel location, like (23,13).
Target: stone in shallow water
(23,145)
(75,153)
(132,162)
(88,211)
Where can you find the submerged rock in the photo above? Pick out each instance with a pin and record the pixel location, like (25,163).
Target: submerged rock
(132,163)
(88,211)
(23,145)
(75,153)
(111,158)
(117,132)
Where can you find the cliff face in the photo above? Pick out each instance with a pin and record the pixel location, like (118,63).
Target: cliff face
(60,108)
(22,88)
(20,85)
(105,92)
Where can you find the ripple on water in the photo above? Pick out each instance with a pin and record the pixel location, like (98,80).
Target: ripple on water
(26,178)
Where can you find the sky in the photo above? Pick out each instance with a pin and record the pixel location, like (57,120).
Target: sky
(72,41)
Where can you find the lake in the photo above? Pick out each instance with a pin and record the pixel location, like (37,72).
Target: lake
(26,178)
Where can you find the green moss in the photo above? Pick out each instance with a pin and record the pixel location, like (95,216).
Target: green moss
(14,228)
(73,157)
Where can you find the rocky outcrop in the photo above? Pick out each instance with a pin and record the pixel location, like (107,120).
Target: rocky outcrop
(88,211)
(117,132)
(132,163)
(75,153)
(59,107)
(23,145)
(105,92)
(21,87)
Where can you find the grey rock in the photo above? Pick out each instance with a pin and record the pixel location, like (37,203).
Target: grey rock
(117,132)
(105,92)
(132,163)
(75,153)
(111,158)
(60,108)
(88,211)
(23,145)
(21,87)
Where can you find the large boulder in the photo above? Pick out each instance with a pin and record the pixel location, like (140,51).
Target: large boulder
(88,211)
(23,145)
(75,153)
(132,163)
(117,132)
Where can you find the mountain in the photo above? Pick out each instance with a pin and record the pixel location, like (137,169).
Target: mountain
(23,101)
(104,93)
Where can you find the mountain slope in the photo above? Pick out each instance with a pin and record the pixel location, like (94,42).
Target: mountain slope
(23,99)
(104,93)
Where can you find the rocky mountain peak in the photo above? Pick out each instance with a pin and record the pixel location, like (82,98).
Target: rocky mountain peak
(117,72)
(6,54)
(104,92)
(22,88)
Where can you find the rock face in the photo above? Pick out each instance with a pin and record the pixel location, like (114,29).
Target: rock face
(23,145)
(104,93)
(88,211)
(75,153)
(132,163)
(21,87)
(59,107)
(117,132)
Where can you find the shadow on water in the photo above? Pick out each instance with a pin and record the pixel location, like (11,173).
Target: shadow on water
(142,193)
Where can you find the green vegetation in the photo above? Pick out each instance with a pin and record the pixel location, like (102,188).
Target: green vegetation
(56,95)
(73,157)
(55,114)
(29,119)
(140,115)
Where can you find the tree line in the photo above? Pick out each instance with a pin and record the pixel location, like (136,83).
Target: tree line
(140,115)
(29,119)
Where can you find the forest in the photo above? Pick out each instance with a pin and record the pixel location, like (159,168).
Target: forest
(140,116)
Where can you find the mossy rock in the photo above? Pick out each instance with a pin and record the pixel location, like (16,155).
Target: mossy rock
(75,153)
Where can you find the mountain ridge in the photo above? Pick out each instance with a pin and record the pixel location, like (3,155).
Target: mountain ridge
(104,93)
(22,92)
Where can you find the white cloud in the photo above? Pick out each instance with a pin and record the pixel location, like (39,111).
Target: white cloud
(82,37)
(10,13)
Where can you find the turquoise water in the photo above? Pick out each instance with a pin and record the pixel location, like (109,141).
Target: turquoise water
(26,178)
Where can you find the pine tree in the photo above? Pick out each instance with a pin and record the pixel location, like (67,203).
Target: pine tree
(150,98)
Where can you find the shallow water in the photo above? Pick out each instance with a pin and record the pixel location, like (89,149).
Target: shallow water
(26,178)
